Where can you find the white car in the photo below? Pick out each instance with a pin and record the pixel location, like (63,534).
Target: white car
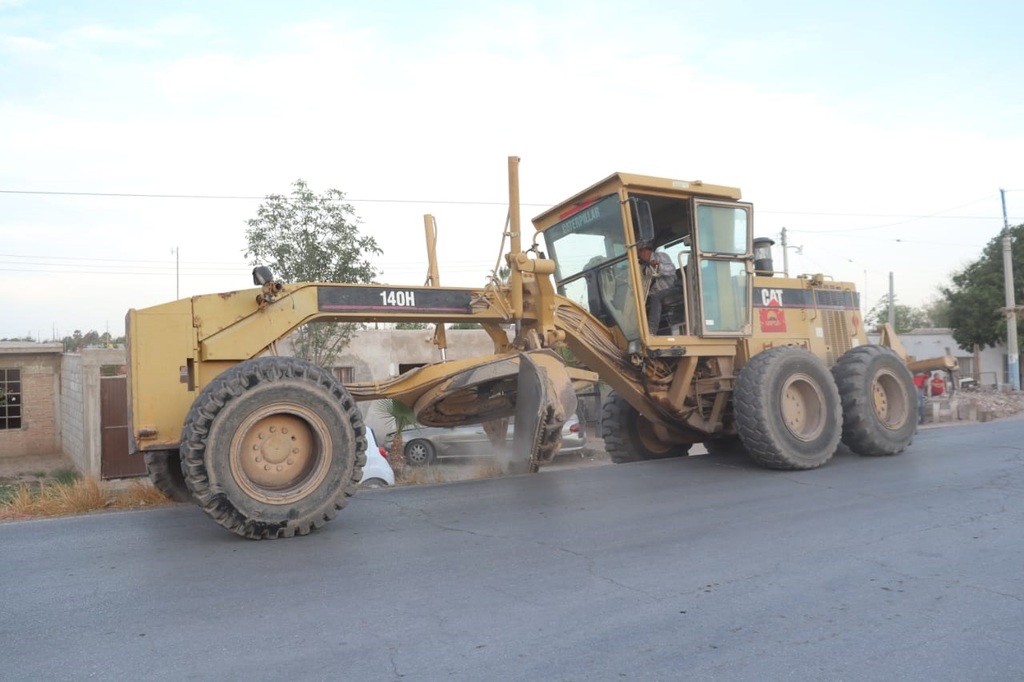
(377,473)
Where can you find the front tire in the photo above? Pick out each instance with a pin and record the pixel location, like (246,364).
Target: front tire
(787,409)
(630,437)
(273,447)
(879,401)
(727,445)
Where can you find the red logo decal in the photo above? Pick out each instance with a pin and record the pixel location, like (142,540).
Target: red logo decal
(773,320)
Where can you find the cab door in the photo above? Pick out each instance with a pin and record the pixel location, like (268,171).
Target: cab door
(724,267)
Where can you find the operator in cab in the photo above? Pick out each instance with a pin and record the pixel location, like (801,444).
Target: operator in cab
(660,280)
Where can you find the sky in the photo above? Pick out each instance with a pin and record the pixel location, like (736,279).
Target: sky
(136,139)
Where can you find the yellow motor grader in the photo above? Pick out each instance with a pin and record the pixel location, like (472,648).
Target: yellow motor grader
(734,357)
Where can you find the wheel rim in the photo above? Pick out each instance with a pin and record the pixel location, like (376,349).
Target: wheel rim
(648,438)
(889,400)
(280,453)
(803,407)
(416,454)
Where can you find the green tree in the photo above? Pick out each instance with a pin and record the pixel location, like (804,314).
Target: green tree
(411,325)
(937,311)
(74,342)
(907,317)
(400,417)
(977,294)
(309,237)
(91,339)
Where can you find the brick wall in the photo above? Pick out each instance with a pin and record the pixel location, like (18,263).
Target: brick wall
(40,390)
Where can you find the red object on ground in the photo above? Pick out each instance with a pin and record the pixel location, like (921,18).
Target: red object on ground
(938,386)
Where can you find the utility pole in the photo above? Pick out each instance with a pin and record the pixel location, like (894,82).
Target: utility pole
(177,272)
(864,297)
(892,304)
(1013,358)
(785,254)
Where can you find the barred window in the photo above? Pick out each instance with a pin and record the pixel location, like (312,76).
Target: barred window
(10,399)
(346,375)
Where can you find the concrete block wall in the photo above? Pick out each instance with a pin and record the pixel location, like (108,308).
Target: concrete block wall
(39,364)
(72,408)
(83,436)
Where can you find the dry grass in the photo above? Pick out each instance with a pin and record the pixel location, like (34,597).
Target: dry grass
(488,470)
(433,474)
(420,475)
(77,497)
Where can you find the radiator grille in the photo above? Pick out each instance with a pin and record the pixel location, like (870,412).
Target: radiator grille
(837,335)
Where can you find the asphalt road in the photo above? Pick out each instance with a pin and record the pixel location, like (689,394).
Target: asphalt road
(702,568)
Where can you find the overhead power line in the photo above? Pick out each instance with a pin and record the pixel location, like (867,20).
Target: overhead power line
(77,265)
(455,202)
(147,272)
(909,219)
(899,240)
(125,194)
(213,264)
(134,261)
(242,197)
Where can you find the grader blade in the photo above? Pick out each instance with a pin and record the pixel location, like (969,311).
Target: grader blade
(545,399)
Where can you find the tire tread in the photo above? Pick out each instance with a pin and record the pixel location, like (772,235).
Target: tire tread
(231,385)
(755,412)
(164,470)
(862,431)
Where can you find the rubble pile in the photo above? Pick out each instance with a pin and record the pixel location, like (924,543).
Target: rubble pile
(999,404)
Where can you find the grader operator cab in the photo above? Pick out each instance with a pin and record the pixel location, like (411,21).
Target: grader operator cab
(731,356)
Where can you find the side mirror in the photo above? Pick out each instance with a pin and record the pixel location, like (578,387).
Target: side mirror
(644,221)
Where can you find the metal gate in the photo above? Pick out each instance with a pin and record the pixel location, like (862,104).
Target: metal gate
(115,462)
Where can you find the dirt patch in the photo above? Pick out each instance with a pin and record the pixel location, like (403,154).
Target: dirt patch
(35,470)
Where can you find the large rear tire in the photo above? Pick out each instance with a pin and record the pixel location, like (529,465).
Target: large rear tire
(787,409)
(630,437)
(273,447)
(727,445)
(164,469)
(879,401)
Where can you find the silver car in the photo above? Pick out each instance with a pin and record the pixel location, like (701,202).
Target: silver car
(427,444)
